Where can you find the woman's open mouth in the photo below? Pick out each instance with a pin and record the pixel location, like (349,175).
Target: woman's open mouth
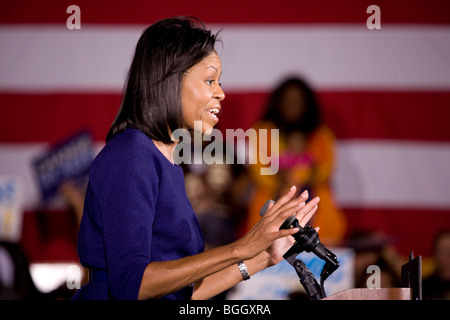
(213,112)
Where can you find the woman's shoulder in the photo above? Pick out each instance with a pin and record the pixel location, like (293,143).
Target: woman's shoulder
(130,140)
(128,149)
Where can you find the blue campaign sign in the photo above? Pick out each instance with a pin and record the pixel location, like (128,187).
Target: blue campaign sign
(11,190)
(70,159)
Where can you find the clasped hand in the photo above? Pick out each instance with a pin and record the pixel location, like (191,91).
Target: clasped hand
(266,237)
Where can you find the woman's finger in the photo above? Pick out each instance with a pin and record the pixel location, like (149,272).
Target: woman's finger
(285,213)
(306,213)
(281,201)
(308,217)
(295,202)
(287,232)
(283,205)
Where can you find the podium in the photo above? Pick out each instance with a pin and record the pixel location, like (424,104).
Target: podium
(372,294)
(411,282)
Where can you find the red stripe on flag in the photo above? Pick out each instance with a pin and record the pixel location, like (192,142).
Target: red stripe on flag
(50,235)
(388,115)
(235,11)
(362,115)
(358,114)
(411,230)
(53,117)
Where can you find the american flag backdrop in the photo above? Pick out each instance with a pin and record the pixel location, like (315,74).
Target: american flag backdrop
(384,92)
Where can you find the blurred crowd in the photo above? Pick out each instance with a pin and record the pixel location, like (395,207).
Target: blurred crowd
(227,199)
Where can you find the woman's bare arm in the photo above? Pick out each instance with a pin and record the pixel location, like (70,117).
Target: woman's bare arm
(215,270)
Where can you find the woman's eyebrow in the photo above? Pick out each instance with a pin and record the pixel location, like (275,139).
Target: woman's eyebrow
(214,69)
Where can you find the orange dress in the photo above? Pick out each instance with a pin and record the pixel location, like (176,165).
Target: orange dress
(309,168)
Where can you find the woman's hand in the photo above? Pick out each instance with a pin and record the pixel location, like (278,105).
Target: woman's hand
(279,247)
(267,230)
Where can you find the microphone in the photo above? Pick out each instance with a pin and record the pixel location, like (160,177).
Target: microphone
(307,240)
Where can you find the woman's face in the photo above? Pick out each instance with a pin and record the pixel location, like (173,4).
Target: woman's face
(201,93)
(292,104)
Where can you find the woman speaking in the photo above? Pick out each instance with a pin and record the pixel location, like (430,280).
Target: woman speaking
(139,236)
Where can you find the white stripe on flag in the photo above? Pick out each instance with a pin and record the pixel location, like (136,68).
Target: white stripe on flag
(390,174)
(368,174)
(405,57)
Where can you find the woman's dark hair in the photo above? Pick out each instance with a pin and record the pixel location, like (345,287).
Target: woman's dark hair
(311,117)
(152,97)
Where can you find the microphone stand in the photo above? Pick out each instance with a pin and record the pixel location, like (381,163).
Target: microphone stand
(307,279)
(314,290)
(307,240)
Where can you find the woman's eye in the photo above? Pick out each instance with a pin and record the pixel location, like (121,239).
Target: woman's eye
(210,82)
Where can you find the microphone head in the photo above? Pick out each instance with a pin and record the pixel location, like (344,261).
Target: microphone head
(265,207)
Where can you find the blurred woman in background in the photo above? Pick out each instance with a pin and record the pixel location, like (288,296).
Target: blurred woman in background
(306,156)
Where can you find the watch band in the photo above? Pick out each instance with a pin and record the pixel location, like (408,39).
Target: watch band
(243,270)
